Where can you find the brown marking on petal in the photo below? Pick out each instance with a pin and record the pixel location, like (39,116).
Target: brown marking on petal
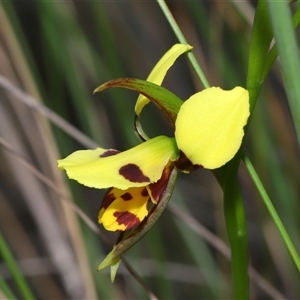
(133,173)
(183,164)
(109,152)
(127,218)
(158,188)
(126,197)
(108,198)
(144,192)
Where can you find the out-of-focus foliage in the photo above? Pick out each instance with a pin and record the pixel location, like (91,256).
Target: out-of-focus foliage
(59,52)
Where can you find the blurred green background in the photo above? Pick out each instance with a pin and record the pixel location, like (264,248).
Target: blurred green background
(59,52)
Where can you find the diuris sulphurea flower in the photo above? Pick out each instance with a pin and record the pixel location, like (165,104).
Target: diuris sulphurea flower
(208,131)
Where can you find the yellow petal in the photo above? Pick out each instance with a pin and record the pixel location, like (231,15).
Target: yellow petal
(158,73)
(209,125)
(135,167)
(122,210)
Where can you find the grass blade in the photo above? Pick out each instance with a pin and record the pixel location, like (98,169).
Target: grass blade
(16,273)
(176,29)
(273,213)
(284,33)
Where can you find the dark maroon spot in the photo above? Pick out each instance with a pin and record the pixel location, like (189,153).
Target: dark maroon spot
(184,164)
(144,192)
(126,218)
(108,198)
(158,188)
(133,173)
(126,196)
(109,152)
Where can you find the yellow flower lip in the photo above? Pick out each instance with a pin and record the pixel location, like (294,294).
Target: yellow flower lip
(209,125)
(122,210)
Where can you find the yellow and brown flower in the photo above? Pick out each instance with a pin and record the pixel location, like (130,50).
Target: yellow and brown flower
(208,131)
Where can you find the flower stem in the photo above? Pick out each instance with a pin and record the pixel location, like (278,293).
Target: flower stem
(236,229)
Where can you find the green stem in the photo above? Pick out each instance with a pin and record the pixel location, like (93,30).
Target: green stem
(235,219)
(272,211)
(181,38)
(15,270)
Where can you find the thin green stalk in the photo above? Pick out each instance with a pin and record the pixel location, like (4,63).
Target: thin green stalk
(288,51)
(182,39)
(272,212)
(15,270)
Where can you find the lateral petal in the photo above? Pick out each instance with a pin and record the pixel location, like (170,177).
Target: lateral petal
(135,167)
(209,125)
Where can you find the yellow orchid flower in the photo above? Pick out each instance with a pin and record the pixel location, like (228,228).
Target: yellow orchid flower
(208,133)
